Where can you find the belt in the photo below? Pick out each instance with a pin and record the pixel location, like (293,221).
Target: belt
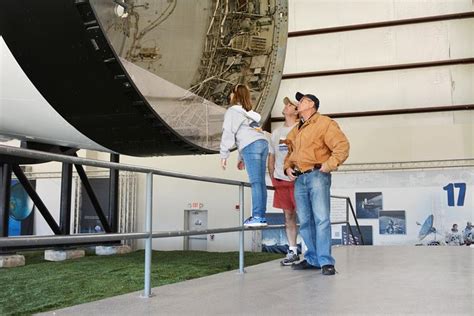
(316,167)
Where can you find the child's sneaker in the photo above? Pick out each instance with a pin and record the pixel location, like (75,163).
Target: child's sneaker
(255,222)
(290,258)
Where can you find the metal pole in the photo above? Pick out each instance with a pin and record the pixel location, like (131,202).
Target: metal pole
(241,248)
(114,195)
(5,185)
(347,222)
(65,202)
(148,229)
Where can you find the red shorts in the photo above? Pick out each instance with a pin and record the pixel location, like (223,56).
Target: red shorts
(284,197)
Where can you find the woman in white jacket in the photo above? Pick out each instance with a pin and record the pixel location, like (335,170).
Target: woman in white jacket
(241,127)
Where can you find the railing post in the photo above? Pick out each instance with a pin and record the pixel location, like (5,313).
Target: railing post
(348,222)
(355,220)
(241,248)
(149,230)
(5,186)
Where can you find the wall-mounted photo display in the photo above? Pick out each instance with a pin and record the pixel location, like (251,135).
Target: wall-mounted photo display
(21,217)
(419,207)
(275,240)
(348,239)
(368,204)
(392,223)
(89,220)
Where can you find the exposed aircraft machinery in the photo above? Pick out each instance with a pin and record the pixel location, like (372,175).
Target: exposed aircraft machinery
(145,77)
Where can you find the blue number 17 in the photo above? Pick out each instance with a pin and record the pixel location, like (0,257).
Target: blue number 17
(462,193)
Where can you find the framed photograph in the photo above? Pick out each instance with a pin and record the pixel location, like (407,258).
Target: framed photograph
(392,223)
(368,204)
(21,217)
(274,240)
(348,239)
(89,220)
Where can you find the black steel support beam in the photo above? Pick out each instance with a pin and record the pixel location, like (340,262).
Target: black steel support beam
(347,71)
(65,207)
(93,198)
(36,199)
(114,194)
(448,108)
(5,184)
(364,26)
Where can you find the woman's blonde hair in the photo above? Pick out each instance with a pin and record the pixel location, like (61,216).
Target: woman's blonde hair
(241,95)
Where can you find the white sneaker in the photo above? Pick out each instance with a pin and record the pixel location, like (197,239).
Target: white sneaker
(255,222)
(290,258)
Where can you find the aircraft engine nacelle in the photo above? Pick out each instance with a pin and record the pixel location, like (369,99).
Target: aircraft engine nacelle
(137,77)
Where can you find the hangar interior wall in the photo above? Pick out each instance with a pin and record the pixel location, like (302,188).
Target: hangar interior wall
(440,138)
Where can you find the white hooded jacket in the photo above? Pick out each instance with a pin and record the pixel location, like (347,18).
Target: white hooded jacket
(240,128)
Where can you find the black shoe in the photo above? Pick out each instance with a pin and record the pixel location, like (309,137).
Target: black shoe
(303,265)
(329,269)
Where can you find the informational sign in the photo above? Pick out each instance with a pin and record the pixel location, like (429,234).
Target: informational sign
(195,205)
(338,210)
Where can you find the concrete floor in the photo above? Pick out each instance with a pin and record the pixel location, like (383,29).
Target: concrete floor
(371,280)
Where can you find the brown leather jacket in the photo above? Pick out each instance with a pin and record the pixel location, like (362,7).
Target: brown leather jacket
(319,140)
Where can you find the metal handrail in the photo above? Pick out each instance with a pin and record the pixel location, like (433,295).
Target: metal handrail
(148,235)
(85,238)
(34,154)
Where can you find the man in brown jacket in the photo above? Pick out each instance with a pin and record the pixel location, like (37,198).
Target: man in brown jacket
(316,146)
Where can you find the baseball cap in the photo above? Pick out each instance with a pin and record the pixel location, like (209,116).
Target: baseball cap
(287,100)
(312,97)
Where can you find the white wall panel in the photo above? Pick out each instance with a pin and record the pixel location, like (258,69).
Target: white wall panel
(310,14)
(462,81)
(461,33)
(172,196)
(409,137)
(411,88)
(49,190)
(422,137)
(381,46)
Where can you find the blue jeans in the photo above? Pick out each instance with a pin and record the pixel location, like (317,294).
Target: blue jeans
(312,196)
(255,159)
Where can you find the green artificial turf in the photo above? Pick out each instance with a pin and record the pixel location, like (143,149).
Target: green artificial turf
(42,285)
